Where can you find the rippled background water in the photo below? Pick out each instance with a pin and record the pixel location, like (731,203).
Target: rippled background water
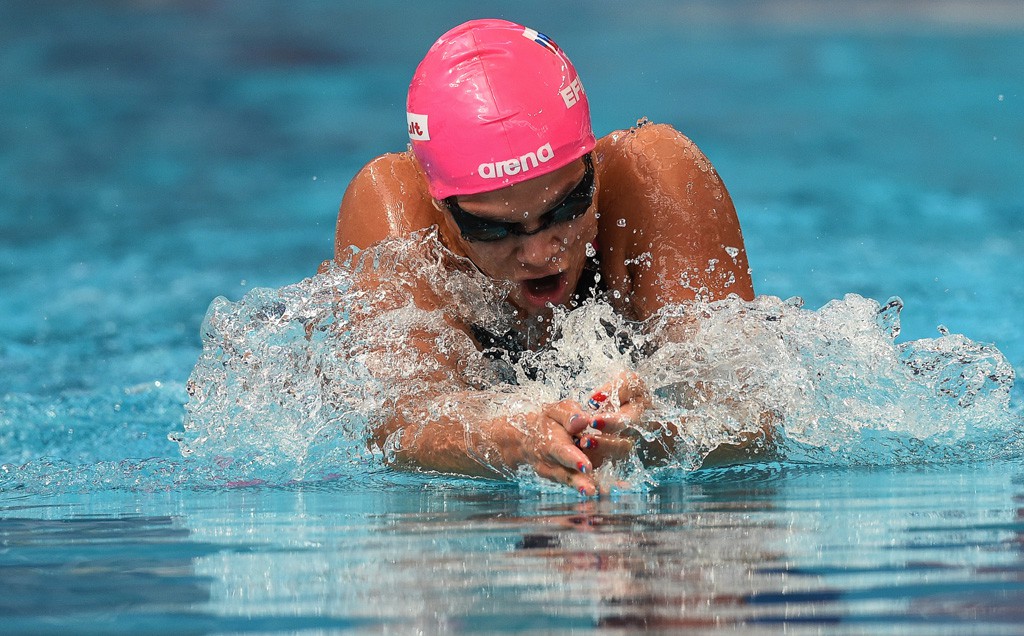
(156,155)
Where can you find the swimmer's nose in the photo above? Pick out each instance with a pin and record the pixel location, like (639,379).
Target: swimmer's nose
(538,250)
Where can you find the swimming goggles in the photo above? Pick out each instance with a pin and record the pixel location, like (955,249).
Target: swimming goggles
(574,205)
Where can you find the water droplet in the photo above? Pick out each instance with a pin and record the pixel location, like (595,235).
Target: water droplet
(1001,97)
(733,252)
(621,223)
(591,252)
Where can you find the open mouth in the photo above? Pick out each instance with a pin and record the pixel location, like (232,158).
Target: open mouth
(547,289)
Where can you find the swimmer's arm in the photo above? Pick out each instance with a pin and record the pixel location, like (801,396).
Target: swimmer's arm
(384,199)
(685,241)
(464,442)
(437,421)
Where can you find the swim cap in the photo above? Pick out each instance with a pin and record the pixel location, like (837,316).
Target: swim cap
(494,103)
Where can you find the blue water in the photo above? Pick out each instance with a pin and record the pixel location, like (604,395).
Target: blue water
(156,156)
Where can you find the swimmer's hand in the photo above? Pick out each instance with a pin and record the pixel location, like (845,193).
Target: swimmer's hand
(605,428)
(546,446)
(620,404)
(562,442)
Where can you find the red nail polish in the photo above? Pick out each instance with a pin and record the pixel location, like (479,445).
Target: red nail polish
(597,399)
(590,442)
(581,467)
(597,424)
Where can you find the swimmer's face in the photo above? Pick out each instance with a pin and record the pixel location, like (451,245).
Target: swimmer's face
(545,261)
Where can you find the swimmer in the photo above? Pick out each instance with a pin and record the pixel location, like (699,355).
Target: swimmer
(503,162)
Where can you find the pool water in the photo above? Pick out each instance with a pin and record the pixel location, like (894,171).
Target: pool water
(157,156)
(933,550)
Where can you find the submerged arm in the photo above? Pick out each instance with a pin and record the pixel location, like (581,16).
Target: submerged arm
(436,420)
(454,433)
(681,243)
(441,413)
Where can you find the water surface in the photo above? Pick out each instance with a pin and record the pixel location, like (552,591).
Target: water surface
(158,156)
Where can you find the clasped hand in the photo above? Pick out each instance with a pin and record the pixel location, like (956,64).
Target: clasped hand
(572,439)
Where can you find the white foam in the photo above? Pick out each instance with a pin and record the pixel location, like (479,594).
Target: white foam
(292,380)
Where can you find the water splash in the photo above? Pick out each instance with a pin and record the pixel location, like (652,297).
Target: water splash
(291,381)
(838,385)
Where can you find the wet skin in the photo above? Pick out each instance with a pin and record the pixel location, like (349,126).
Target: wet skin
(660,215)
(545,267)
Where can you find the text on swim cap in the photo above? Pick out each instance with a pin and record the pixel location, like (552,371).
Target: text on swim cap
(571,93)
(417,126)
(514,166)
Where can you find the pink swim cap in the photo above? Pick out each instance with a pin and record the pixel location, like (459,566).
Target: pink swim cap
(494,103)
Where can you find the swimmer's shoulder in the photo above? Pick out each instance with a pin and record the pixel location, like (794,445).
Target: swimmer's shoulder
(652,173)
(387,197)
(645,172)
(647,145)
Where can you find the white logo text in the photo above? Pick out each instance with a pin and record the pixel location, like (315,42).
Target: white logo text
(516,165)
(571,93)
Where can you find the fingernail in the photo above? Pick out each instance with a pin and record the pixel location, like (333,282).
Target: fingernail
(583,490)
(581,467)
(588,443)
(573,418)
(597,399)
(597,424)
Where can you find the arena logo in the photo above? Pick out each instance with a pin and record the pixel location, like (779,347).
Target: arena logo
(514,166)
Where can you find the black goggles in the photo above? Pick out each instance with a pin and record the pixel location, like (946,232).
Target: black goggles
(574,205)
